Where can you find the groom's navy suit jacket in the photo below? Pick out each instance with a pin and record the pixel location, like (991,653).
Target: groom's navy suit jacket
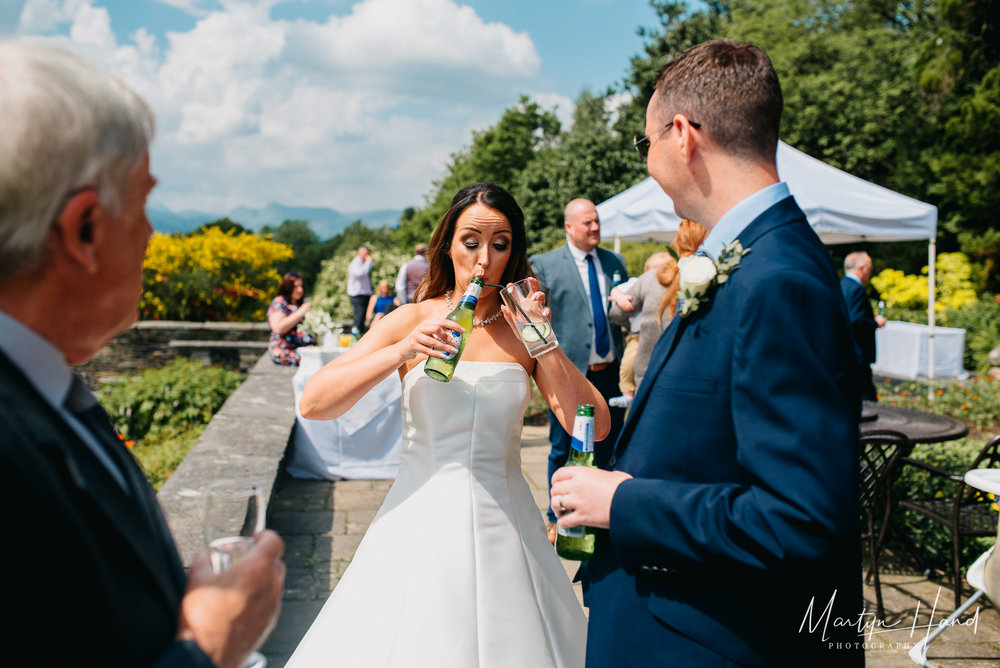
(91,574)
(742,440)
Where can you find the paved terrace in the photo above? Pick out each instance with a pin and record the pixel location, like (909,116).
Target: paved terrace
(323,523)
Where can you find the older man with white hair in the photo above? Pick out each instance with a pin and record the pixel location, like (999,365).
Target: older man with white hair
(92,573)
(864,322)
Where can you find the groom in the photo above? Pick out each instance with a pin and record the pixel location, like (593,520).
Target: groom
(732,506)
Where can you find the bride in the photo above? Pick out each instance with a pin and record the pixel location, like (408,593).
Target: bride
(455,570)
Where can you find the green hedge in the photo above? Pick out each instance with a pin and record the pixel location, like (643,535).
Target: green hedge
(974,401)
(932,538)
(161,412)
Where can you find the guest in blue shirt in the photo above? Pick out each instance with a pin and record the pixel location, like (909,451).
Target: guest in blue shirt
(381,303)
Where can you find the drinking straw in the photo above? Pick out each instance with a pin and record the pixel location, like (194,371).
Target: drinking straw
(526,316)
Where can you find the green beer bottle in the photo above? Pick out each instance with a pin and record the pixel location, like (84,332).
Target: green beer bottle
(578,543)
(442,368)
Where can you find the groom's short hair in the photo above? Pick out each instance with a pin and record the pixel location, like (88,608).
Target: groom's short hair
(731,90)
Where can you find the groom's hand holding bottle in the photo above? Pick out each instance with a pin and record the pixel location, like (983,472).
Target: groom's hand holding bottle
(229,615)
(582,495)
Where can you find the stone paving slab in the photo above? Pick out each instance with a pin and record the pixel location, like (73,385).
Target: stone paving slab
(323,523)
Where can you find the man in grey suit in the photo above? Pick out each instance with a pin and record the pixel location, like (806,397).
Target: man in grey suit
(578,278)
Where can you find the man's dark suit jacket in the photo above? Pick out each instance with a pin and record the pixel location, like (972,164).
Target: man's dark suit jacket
(92,575)
(572,317)
(863,326)
(859,310)
(744,508)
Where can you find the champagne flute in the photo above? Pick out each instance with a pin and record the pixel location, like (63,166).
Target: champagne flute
(234,514)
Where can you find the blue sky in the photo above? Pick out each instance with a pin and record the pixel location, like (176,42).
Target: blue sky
(350,104)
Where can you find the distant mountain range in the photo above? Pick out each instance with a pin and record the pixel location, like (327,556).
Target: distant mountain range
(324,222)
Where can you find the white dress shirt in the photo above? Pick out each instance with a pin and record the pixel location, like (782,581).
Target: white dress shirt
(358,280)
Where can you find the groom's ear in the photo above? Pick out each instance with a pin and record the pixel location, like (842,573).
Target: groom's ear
(688,137)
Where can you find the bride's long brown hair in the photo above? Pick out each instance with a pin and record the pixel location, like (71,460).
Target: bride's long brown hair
(441,273)
(689,236)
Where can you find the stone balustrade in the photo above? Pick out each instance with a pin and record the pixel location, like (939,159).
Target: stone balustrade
(248,438)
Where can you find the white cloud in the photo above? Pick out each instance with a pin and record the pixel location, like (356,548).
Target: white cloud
(192,7)
(92,25)
(41,16)
(383,35)
(355,112)
(557,103)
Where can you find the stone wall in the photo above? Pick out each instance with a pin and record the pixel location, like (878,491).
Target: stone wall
(247,438)
(152,343)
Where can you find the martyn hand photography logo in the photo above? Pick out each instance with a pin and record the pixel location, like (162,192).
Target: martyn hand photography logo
(820,622)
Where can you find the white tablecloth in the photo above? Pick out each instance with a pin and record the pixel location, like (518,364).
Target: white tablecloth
(902,350)
(362,444)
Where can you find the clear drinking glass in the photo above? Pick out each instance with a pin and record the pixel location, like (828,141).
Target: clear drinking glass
(521,299)
(234,514)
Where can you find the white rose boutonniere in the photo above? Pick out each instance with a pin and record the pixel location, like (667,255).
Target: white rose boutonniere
(700,275)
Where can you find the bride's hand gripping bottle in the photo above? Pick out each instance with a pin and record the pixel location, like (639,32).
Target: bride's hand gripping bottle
(442,368)
(578,543)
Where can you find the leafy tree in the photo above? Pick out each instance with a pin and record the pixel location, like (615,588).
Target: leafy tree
(960,65)
(356,234)
(330,294)
(225,225)
(309,251)
(497,154)
(593,160)
(898,93)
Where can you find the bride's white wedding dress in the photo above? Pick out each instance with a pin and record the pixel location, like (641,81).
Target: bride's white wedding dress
(455,570)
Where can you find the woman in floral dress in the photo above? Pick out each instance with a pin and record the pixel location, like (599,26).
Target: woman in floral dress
(284,314)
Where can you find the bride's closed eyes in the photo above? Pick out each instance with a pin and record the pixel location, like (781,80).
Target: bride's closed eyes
(499,246)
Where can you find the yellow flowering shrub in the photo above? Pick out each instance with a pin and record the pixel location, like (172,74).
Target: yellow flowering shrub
(210,275)
(954,278)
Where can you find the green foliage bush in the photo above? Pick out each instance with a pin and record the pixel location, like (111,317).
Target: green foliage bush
(932,538)
(637,252)
(975,402)
(158,458)
(169,400)
(214,273)
(981,322)
(161,412)
(956,285)
(330,292)
(957,305)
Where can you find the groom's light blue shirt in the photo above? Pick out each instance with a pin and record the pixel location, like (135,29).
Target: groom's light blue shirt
(734,221)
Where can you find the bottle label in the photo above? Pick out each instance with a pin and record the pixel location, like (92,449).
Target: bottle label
(575,532)
(583,433)
(471,295)
(455,339)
